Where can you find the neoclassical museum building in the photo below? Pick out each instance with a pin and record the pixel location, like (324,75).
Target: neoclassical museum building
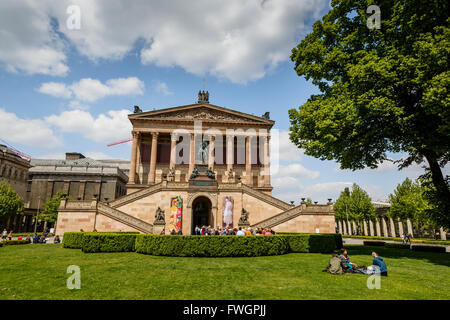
(196,165)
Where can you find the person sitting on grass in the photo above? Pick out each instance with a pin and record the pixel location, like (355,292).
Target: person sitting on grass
(56,239)
(379,262)
(334,265)
(345,260)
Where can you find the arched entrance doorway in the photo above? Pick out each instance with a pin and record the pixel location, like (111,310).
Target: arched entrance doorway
(201,213)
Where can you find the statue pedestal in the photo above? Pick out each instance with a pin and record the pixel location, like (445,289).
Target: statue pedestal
(244,225)
(158,227)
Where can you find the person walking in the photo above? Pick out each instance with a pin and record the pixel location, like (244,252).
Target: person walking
(10,235)
(4,234)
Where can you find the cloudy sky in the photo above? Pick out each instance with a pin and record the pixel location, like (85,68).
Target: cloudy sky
(68,84)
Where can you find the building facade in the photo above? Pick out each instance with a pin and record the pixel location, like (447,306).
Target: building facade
(78,177)
(196,165)
(14,171)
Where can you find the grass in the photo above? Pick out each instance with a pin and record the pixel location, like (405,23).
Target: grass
(39,272)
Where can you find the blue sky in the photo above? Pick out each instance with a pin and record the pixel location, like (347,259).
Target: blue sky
(64,89)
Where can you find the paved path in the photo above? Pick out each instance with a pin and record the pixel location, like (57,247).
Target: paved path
(360,241)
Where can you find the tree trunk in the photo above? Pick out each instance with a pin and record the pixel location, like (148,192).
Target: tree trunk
(439,183)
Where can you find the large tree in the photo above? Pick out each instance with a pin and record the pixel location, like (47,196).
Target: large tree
(50,212)
(10,202)
(382,90)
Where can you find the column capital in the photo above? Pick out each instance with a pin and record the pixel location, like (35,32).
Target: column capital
(155,135)
(174,136)
(136,134)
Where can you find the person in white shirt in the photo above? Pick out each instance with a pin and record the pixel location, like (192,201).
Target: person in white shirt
(240,232)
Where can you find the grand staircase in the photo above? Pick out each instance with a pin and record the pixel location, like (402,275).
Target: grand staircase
(110,209)
(124,218)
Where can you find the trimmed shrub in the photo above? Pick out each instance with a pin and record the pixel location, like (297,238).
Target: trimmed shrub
(1,244)
(397,245)
(211,246)
(374,243)
(428,248)
(14,242)
(100,242)
(315,242)
(73,240)
(416,240)
(30,234)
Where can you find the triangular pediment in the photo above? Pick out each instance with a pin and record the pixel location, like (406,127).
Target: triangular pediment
(203,112)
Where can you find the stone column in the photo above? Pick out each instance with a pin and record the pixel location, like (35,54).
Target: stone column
(392,224)
(400,227)
(134,147)
(49,190)
(384,227)
(230,152)
(191,155)
(344,229)
(81,191)
(442,233)
(372,231)
(410,227)
(173,148)
(211,156)
(267,161)
(377,226)
(340,227)
(248,160)
(366,233)
(153,157)
(355,229)
(349,227)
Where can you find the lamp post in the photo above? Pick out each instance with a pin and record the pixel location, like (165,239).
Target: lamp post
(37,214)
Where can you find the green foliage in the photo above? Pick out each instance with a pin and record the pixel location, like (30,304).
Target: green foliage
(382,91)
(397,245)
(50,212)
(73,240)
(10,202)
(408,202)
(211,246)
(232,246)
(101,242)
(356,203)
(14,242)
(428,248)
(374,243)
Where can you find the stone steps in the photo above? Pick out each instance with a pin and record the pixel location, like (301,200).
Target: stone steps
(125,218)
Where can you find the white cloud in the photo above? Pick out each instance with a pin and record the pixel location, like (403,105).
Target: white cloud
(282,149)
(236,40)
(55,89)
(33,132)
(162,87)
(88,89)
(28,42)
(114,125)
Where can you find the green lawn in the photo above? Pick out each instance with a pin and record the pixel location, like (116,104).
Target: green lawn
(39,272)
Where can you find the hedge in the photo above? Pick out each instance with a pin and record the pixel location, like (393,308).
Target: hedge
(428,248)
(14,242)
(73,240)
(336,236)
(416,240)
(211,246)
(374,243)
(30,234)
(234,246)
(101,242)
(397,245)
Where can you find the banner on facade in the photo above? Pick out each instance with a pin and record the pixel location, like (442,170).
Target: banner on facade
(176,209)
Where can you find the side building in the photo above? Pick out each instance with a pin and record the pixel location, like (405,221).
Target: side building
(79,177)
(14,171)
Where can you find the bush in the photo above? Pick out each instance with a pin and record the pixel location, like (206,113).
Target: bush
(374,243)
(397,245)
(314,242)
(1,244)
(73,240)
(30,234)
(101,242)
(211,246)
(14,242)
(428,248)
